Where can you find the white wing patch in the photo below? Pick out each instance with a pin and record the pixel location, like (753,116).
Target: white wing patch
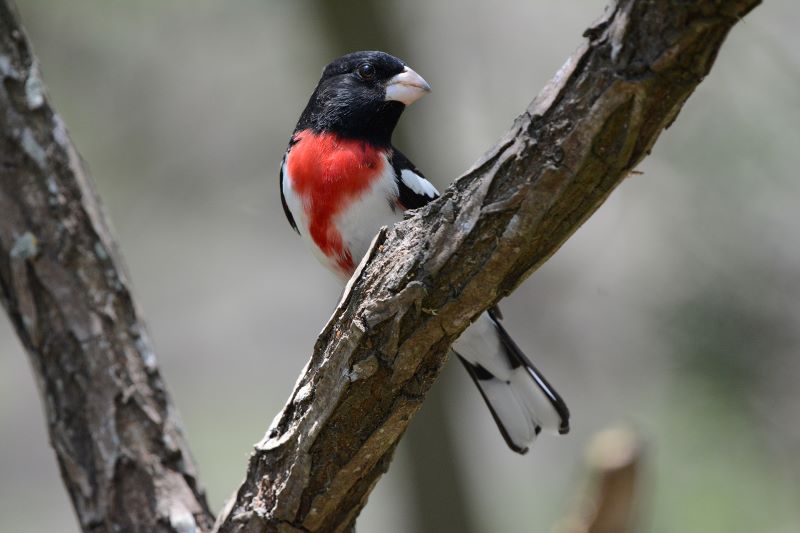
(418,184)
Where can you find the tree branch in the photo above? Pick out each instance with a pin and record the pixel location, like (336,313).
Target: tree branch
(427,277)
(120,447)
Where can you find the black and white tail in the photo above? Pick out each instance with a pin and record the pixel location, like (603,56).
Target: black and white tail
(521,400)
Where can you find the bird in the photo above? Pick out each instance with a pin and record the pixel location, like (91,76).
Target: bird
(341,179)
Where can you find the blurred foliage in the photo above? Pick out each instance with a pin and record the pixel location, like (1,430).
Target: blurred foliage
(727,343)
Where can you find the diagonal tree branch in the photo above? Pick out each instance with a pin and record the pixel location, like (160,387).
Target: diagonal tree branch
(120,448)
(426,278)
(119,444)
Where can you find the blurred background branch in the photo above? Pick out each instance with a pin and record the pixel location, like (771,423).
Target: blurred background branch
(611,499)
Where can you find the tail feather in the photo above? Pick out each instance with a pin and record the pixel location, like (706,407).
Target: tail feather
(515,425)
(543,398)
(520,399)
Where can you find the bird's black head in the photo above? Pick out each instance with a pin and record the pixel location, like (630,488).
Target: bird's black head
(361,96)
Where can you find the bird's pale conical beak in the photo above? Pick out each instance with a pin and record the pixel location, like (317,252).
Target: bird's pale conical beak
(406,87)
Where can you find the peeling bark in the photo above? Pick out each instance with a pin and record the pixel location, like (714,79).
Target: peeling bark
(429,276)
(119,444)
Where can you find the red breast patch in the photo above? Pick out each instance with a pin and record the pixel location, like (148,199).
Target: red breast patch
(329,173)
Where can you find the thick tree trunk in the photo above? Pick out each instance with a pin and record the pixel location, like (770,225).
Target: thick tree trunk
(119,444)
(120,448)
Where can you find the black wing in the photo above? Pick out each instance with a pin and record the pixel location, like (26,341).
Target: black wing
(415,190)
(286,211)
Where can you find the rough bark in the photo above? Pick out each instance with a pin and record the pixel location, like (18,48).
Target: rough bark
(427,277)
(119,444)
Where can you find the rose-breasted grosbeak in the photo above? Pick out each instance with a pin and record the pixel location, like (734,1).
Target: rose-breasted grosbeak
(341,180)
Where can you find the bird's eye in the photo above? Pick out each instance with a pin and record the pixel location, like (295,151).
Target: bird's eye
(366,71)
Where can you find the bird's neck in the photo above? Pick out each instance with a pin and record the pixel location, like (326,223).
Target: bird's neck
(373,124)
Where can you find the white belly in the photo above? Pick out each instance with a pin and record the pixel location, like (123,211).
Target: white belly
(357,223)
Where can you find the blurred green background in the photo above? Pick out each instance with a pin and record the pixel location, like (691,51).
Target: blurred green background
(676,308)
